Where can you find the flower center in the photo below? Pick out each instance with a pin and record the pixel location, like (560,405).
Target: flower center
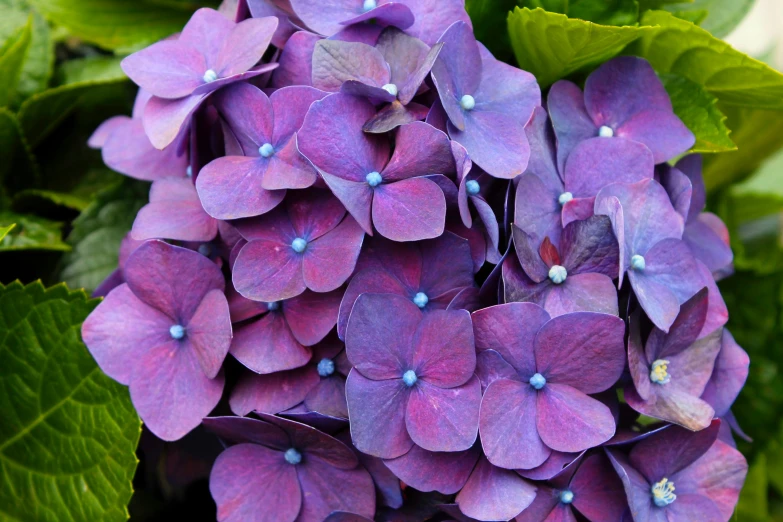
(210,76)
(566,496)
(177,331)
(606,132)
(299,245)
(537,381)
(292,456)
(325,367)
(638,263)
(205,249)
(390,88)
(409,378)
(564,198)
(189,171)
(558,274)
(421,299)
(374,179)
(467,102)
(472,187)
(660,372)
(273,306)
(369,5)
(663,493)
(266,150)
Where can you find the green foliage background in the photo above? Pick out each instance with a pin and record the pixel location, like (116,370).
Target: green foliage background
(63,213)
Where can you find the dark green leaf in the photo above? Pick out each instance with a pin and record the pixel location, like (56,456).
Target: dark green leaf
(37,69)
(752,505)
(4,230)
(605,12)
(29,198)
(12,62)
(17,165)
(718,16)
(553,6)
(487,16)
(69,433)
(31,233)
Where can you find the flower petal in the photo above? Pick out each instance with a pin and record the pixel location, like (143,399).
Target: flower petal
(267,345)
(209,332)
(570,421)
(493,493)
(444,472)
(274,392)
(409,210)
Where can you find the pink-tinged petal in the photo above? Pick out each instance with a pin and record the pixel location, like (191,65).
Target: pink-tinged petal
(313,213)
(673,405)
(555,466)
(662,131)
(510,329)
(267,346)
(441,419)
(331,259)
(163,119)
(696,507)
(458,71)
(296,61)
(98,138)
(493,493)
(249,114)
(598,491)
(211,87)
(335,63)
(420,150)
(254,484)
(245,45)
(168,69)
(409,210)
(328,397)
(128,151)
(288,169)
(377,412)
(536,209)
(579,293)
(671,450)
(490,366)
(275,227)
(728,376)
(717,312)
(315,443)
(388,487)
(508,427)
(597,162)
(570,421)
(320,496)
(708,239)
(274,392)
(546,507)
(444,472)
(209,332)
(357,197)
(205,31)
(238,430)
(268,271)
(637,490)
(121,330)
(570,120)
(172,279)
(174,212)
(285,28)
(693,366)
(290,106)
(444,353)
(311,316)
(170,391)
(495,141)
(568,345)
(529,257)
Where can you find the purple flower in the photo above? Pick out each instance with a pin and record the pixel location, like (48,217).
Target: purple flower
(394,194)
(679,475)
(165,333)
(548,368)
(276,336)
(127,246)
(590,487)
(307,243)
(279,469)
(578,278)
(728,376)
(295,66)
(487,102)
(265,129)
(444,472)
(211,52)
(412,380)
(319,385)
(428,273)
(479,190)
(672,370)
(623,99)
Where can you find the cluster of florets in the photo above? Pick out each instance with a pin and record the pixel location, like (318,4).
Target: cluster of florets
(433,279)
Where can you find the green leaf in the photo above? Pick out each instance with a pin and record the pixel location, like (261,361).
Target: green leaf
(606,12)
(552,46)
(31,233)
(696,108)
(719,16)
(98,231)
(680,47)
(17,164)
(39,62)
(752,505)
(117,25)
(29,198)
(12,62)
(4,230)
(69,433)
(487,16)
(93,69)
(553,6)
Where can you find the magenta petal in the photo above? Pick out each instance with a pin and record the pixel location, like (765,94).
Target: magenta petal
(335,63)
(445,472)
(671,450)
(597,162)
(493,493)
(290,106)
(168,69)
(205,31)
(444,353)
(274,392)
(267,346)
(99,136)
(209,332)
(377,411)
(288,169)
(357,197)
(445,264)
(330,260)
(598,491)
(582,293)
(254,484)
(409,210)
(163,119)
(128,151)
(441,419)
(420,150)
(546,507)
(249,114)
(174,212)
(245,45)
(490,367)
(570,421)
(553,467)
(296,61)
(320,496)
(508,428)
(328,397)
(268,271)
(373,281)
(662,131)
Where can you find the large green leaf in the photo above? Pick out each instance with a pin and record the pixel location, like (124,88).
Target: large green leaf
(12,59)
(696,108)
(487,16)
(552,46)
(37,68)
(722,15)
(682,48)
(69,433)
(17,164)
(606,12)
(31,233)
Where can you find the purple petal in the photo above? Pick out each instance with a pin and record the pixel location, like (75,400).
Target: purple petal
(245,45)
(458,71)
(493,493)
(168,69)
(430,471)
(296,61)
(409,210)
(638,364)
(570,421)
(395,115)
(239,430)
(444,352)
(445,264)
(268,346)
(320,497)
(290,106)
(728,376)
(637,490)
(274,392)
(205,31)
(99,136)
(268,271)
(311,316)
(128,151)
(679,188)
(420,150)
(163,119)
(671,450)
(374,281)
(598,162)
(673,405)
(328,397)
(579,293)
(357,197)
(209,332)
(553,467)
(330,260)
(589,246)
(569,118)
(490,366)
(431,21)
(598,491)
(683,332)
(536,209)
(660,130)
(691,166)
(174,212)
(335,63)
(708,239)
(249,114)
(546,507)
(285,28)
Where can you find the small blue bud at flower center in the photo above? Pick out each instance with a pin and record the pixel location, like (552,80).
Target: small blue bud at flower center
(566,497)
(292,456)
(325,367)
(558,274)
(421,299)
(660,372)
(177,331)
(564,198)
(374,179)
(369,5)
(273,306)
(205,249)
(638,263)
(210,76)
(266,150)
(537,381)
(663,493)
(606,132)
(472,187)
(409,378)
(391,89)
(189,171)
(467,102)
(299,245)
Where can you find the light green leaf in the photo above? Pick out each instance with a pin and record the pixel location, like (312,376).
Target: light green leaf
(487,16)
(658,4)
(721,15)
(752,505)
(94,69)
(31,233)
(606,12)
(30,198)
(17,164)
(69,433)
(679,47)
(552,46)
(39,62)
(696,108)
(98,231)
(12,59)
(4,230)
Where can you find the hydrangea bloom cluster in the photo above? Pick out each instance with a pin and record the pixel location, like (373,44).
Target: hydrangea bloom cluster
(424,276)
